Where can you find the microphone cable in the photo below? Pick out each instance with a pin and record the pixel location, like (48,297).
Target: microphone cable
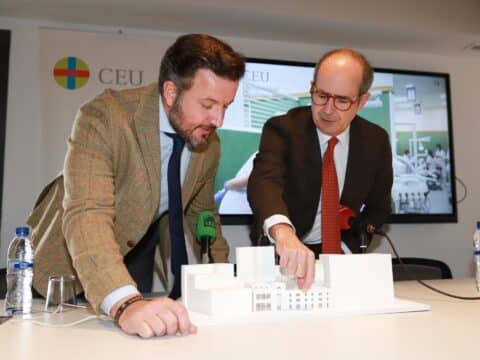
(35,317)
(413,277)
(464,188)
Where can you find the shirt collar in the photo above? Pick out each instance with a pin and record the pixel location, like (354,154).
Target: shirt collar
(164,123)
(343,137)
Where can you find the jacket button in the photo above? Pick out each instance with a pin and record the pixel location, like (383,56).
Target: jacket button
(131,243)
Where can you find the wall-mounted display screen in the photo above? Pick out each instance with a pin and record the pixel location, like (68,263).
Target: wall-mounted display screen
(5,39)
(413,107)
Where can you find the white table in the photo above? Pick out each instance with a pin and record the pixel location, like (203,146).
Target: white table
(450,331)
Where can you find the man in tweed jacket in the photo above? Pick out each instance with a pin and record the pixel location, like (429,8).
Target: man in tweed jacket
(93,219)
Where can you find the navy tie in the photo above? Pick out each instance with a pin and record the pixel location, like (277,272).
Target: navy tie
(175,216)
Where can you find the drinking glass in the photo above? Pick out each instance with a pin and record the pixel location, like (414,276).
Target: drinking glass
(60,292)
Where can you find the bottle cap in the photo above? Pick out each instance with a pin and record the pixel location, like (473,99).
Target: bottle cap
(478,224)
(22,231)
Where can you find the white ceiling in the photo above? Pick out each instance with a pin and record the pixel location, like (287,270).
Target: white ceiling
(444,26)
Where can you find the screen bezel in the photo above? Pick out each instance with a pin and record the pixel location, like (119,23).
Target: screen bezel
(5,42)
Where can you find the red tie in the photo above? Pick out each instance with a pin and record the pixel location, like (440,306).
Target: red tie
(330,203)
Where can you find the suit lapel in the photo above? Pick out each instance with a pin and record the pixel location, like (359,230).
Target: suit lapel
(311,170)
(314,165)
(194,169)
(354,163)
(146,120)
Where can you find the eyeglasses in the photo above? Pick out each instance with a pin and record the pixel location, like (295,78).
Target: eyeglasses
(342,103)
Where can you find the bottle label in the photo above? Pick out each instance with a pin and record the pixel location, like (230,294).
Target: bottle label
(20,265)
(11,311)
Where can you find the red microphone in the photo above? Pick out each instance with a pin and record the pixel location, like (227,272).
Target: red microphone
(346,215)
(348,220)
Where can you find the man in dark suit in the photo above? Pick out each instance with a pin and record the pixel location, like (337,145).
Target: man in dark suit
(314,159)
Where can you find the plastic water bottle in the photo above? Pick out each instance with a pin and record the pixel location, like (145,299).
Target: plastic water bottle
(20,255)
(476,255)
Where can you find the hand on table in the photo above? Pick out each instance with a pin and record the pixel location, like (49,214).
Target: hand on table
(155,317)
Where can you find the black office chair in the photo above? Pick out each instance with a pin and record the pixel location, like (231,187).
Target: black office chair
(3,283)
(422,269)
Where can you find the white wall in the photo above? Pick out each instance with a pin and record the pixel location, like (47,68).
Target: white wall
(23,165)
(24,173)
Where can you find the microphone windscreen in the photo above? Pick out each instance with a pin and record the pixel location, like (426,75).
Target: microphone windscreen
(206,227)
(345,214)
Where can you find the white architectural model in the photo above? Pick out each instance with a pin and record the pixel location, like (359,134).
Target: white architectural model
(342,283)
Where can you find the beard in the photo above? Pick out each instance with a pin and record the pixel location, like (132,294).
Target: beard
(176,117)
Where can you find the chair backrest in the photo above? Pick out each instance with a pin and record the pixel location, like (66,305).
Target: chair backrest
(3,283)
(423,269)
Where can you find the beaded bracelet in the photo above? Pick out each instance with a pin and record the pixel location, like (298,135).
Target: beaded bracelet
(126,304)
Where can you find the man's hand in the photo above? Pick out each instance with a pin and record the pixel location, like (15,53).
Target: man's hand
(156,317)
(295,257)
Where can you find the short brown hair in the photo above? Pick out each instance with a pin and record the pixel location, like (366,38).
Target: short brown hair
(367,75)
(192,52)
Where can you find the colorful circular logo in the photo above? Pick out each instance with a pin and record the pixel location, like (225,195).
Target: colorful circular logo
(71,73)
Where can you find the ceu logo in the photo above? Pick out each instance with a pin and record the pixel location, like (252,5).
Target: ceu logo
(71,73)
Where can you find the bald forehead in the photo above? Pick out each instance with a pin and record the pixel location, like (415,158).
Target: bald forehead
(342,60)
(341,68)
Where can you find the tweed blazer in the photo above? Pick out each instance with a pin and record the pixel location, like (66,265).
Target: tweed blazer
(287,174)
(89,217)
